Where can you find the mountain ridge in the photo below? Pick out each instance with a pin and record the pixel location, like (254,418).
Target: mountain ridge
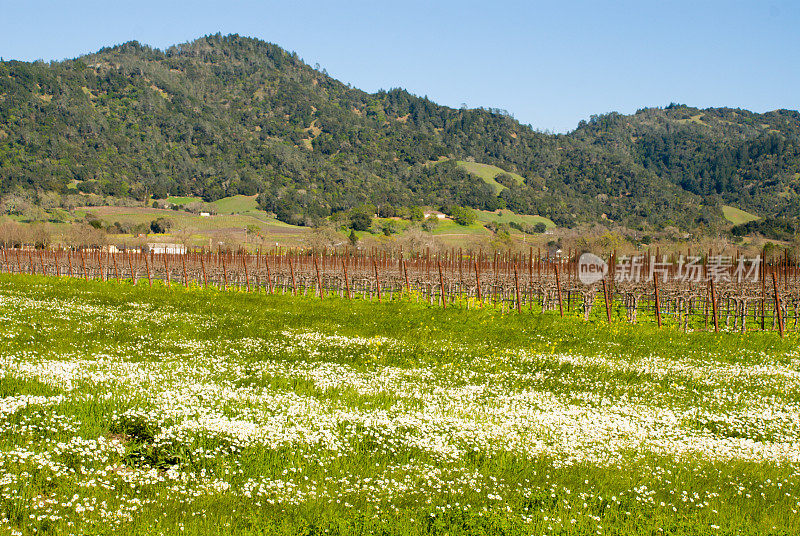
(227,115)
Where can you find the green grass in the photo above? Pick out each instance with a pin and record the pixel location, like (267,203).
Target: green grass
(137,410)
(697,119)
(236,204)
(451,228)
(488,172)
(506,216)
(217,226)
(175,200)
(737,216)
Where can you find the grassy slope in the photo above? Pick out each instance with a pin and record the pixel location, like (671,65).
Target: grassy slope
(236,204)
(488,172)
(176,200)
(737,216)
(237,212)
(449,227)
(185,219)
(506,216)
(202,227)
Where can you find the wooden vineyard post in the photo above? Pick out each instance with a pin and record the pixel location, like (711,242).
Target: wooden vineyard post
(166,269)
(203,267)
(294,283)
(83,265)
(441,286)
(478,284)
(130,267)
(516,284)
(258,270)
(185,275)
(319,279)
(778,305)
(116,271)
(377,278)
(558,288)
(147,265)
(246,273)
(269,274)
(658,304)
(346,279)
(224,271)
(530,279)
(405,273)
(608,305)
(714,306)
(495,285)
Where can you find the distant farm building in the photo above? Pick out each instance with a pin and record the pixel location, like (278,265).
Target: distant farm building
(170,249)
(434,214)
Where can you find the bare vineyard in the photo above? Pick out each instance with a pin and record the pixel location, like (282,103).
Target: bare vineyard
(717,297)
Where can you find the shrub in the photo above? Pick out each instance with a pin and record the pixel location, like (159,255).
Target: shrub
(160,225)
(463,216)
(360,220)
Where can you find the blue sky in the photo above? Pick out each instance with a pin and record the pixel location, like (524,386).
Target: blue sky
(550,64)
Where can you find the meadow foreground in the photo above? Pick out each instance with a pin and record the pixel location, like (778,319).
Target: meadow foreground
(131,410)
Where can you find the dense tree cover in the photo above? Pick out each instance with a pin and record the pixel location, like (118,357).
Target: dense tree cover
(775,228)
(730,155)
(226,115)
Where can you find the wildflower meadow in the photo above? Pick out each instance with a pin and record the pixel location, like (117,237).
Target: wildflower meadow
(128,409)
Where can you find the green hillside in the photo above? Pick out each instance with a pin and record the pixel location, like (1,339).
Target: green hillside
(236,204)
(180,201)
(736,216)
(227,116)
(506,216)
(487,173)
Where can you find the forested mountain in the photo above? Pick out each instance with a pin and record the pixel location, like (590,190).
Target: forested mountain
(227,115)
